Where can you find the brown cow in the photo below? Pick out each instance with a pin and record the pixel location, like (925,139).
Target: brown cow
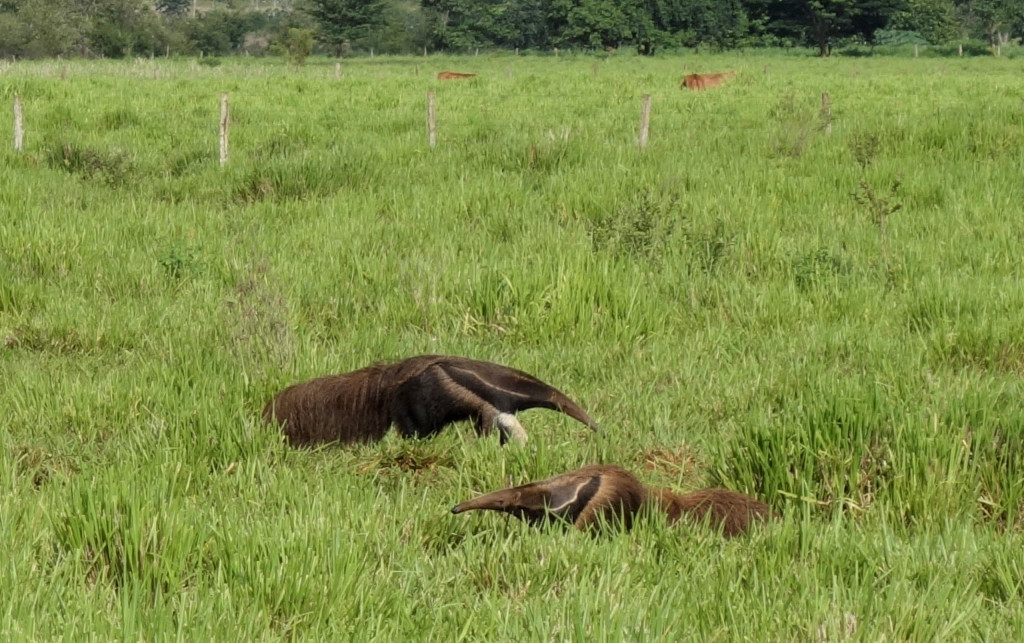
(453,75)
(600,494)
(705,81)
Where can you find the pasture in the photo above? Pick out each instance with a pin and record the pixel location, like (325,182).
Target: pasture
(821,311)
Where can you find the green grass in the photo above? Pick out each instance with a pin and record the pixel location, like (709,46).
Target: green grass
(829,321)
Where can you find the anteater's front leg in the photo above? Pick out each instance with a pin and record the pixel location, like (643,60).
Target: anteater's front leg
(487,416)
(508,426)
(432,400)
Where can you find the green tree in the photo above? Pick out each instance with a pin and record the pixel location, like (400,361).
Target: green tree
(341,22)
(119,28)
(597,23)
(462,24)
(41,28)
(992,19)
(528,23)
(296,45)
(935,20)
(821,22)
(405,29)
(215,33)
(872,15)
(690,23)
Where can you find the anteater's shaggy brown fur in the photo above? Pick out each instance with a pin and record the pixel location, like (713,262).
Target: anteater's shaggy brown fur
(453,75)
(700,82)
(599,494)
(419,395)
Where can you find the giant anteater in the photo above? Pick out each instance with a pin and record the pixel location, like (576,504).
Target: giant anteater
(419,395)
(601,494)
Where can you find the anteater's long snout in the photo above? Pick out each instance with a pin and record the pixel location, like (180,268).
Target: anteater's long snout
(495,501)
(565,405)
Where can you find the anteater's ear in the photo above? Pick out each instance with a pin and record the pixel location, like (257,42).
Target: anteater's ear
(568,496)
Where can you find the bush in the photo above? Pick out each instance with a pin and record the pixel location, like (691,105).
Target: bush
(295,45)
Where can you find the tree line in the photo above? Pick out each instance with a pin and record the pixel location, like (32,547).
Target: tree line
(118,28)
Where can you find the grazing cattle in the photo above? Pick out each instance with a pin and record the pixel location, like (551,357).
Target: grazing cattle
(419,395)
(705,81)
(607,494)
(453,75)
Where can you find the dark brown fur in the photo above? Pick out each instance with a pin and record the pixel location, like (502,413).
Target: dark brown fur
(730,511)
(453,75)
(705,81)
(599,494)
(419,395)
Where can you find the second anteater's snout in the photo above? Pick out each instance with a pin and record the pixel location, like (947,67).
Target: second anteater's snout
(494,501)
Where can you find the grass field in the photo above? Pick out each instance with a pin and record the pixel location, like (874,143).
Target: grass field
(829,320)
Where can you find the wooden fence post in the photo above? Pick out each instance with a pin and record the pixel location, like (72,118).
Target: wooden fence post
(431,120)
(826,112)
(915,51)
(337,71)
(960,50)
(224,128)
(19,130)
(645,122)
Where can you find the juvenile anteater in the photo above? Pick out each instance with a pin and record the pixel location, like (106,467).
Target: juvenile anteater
(419,395)
(580,497)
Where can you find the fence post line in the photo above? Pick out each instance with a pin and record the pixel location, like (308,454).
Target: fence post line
(960,50)
(915,50)
(224,128)
(645,122)
(19,130)
(431,120)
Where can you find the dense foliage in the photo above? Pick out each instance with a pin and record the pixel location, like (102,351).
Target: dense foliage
(117,28)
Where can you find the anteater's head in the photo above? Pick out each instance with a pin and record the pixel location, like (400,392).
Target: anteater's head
(578,497)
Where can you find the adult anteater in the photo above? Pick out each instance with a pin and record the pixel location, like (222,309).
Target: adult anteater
(419,395)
